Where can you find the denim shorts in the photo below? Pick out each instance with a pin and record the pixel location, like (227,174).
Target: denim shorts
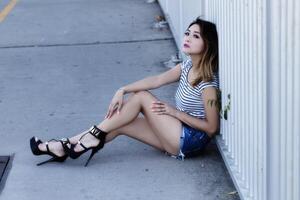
(192,142)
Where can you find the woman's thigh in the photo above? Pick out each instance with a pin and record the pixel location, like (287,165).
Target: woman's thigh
(167,128)
(141,130)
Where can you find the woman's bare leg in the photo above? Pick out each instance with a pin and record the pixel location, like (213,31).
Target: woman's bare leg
(138,129)
(166,128)
(57,148)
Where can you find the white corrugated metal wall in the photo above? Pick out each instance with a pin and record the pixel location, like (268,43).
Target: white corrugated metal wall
(175,12)
(283,56)
(242,35)
(259,46)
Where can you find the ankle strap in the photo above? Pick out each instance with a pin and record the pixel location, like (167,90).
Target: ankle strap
(96,132)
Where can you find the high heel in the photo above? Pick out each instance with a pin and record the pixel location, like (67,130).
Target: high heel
(34,143)
(97,133)
(53,159)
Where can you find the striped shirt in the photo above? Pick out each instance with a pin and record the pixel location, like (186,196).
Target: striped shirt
(189,99)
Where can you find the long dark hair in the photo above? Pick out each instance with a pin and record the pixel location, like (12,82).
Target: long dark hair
(209,62)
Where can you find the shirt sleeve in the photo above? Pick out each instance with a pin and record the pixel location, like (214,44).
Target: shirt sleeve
(184,64)
(213,83)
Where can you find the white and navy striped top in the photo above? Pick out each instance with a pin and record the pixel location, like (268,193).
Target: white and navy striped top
(188,98)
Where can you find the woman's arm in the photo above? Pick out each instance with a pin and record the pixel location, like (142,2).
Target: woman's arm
(153,82)
(211,124)
(147,83)
(195,122)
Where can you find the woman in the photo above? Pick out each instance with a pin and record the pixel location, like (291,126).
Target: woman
(180,132)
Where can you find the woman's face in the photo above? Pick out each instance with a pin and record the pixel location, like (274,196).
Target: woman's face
(192,41)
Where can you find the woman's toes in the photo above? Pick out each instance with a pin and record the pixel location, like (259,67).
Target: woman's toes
(42,147)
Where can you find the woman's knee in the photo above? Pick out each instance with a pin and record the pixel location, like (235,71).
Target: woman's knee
(143,94)
(131,96)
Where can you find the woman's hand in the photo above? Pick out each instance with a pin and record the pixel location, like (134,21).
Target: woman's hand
(116,103)
(162,108)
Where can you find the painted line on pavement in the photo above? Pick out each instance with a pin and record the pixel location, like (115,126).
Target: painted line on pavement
(7,9)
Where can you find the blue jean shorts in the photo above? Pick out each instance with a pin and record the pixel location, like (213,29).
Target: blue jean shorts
(192,142)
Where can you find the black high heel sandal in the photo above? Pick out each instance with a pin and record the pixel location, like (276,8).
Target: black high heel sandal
(94,131)
(34,143)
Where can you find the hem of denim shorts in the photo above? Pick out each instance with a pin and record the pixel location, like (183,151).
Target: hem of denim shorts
(180,155)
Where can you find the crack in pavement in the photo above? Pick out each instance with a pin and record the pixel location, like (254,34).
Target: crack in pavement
(84,43)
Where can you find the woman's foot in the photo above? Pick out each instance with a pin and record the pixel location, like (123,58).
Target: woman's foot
(87,140)
(54,146)
(50,148)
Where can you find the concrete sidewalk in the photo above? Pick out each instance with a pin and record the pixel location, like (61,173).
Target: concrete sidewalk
(57,77)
